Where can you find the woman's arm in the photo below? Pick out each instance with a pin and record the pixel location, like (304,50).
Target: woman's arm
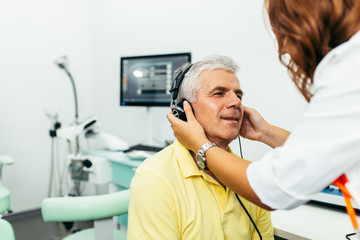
(231,170)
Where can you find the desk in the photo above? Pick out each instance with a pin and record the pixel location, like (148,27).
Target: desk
(309,221)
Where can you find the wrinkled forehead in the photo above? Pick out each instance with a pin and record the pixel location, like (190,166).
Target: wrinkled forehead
(219,79)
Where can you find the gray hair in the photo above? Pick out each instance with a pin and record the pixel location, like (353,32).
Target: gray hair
(191,83)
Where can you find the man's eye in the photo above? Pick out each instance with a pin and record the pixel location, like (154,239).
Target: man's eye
(240,97)
(218,93)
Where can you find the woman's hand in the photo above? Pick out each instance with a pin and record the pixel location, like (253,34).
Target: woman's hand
(190,133)
(255,127)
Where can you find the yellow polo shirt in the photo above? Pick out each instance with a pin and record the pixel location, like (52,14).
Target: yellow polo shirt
(170,198)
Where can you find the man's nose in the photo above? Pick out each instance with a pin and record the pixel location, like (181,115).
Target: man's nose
(234,100)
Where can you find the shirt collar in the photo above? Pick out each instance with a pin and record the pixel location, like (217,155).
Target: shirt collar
(185,161)
(187,165)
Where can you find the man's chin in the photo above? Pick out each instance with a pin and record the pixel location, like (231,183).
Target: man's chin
(232,136)
(226,141)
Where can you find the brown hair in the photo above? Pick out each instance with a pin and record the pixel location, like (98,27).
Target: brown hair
(307,30)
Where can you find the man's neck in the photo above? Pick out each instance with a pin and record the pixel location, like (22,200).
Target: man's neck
(221,143)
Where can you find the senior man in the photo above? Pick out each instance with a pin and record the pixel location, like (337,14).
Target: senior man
(171,197)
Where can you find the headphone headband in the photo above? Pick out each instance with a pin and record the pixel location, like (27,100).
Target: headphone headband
(177,81)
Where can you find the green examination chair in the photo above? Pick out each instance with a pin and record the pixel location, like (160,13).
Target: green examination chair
(100,208)
(6,230)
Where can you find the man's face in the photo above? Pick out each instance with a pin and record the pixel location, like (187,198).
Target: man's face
(218,106)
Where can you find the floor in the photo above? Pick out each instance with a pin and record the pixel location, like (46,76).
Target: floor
(29,225)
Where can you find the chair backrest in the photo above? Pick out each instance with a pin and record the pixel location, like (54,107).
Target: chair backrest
(84,208)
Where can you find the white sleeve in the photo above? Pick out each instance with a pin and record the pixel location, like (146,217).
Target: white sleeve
(326,142)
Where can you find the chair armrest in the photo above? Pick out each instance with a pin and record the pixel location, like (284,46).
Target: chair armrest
(84,208)
(6,160)
(6,230)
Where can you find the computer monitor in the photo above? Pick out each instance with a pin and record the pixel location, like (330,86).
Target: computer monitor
(146,80)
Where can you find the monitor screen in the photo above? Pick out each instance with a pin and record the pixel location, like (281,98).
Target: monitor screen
(146,80)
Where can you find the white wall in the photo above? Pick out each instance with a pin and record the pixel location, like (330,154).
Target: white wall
(94,35)
(232,27)
(33,34)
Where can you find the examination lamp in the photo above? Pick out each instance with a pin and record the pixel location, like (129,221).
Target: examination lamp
(72,132)
(62,63)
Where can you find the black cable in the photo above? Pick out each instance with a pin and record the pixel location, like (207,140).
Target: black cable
(237,197)
(241,154)
(252,221)
(348,235)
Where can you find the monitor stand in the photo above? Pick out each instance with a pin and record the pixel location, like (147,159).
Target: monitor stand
(149,144)
(149,127)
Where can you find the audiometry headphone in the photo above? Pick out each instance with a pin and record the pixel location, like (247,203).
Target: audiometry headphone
(177,108)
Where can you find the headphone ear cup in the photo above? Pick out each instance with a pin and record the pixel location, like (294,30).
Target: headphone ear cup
(176,113)
(181,114)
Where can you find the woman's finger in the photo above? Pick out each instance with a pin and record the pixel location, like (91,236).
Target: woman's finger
(188,110)
(170,116)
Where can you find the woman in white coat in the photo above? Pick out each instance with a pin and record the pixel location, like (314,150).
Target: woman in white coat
(322,38)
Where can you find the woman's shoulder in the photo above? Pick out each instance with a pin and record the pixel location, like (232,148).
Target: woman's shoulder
(348,51)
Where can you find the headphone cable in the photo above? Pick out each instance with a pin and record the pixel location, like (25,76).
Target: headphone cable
(237,197)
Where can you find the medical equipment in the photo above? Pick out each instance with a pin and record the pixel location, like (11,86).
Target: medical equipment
(107,141)
(76,161)
(332,196)
(72,132)
(146,80)
(81,166)
(100,208)
(63,63)
(177,104)
(348,192)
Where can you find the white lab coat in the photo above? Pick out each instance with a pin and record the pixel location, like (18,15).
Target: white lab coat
(325,143)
